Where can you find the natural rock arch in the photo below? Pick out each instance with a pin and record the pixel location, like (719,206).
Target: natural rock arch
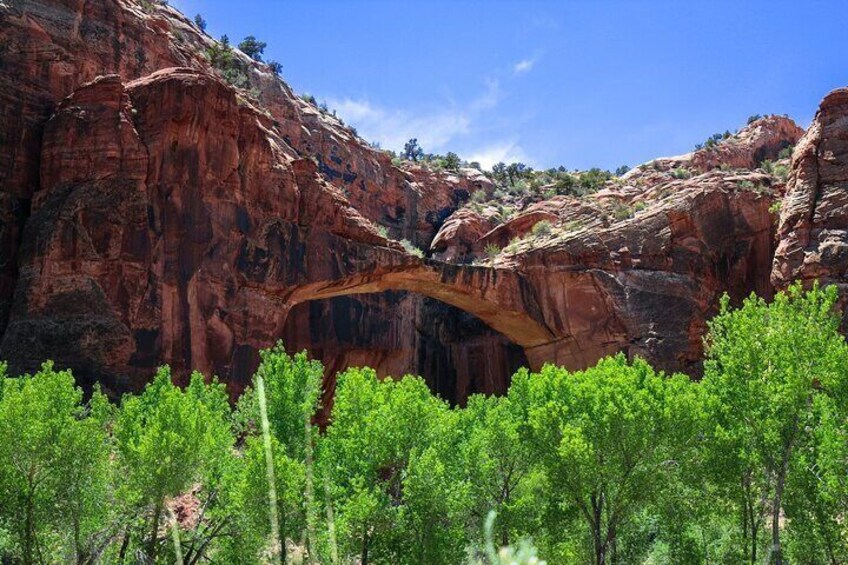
(501,301)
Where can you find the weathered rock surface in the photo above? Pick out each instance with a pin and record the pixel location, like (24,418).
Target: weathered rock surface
(813,232)
(151,213)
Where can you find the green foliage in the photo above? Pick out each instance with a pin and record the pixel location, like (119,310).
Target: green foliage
(542,228)
(452,161)
(786,152)
(623,169)
(767,166)
(594,179)
(492,250)
(512,247)
(167,439)
(53,467)
(387,454)
(478,196)
(681,173)
(275,67)
(221,57)
(608,437)
(293,390)
(200,22)
(622,211)
(753,118)
(252,47)
(613,464)
(249,505)
(412,249)
(765,366)
(412,151)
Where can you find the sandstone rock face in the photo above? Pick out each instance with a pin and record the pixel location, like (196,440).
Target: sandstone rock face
(813,232)
(151,213)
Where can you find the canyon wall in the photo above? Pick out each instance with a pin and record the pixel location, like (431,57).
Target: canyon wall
(152,213)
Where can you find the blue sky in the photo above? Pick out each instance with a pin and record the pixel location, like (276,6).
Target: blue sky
(580,83)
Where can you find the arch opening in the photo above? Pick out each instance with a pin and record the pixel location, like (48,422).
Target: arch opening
(400,332)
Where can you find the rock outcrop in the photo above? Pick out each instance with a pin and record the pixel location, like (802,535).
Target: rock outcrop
(152,213)
(813,232)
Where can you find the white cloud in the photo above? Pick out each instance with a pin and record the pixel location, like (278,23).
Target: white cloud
(501,152)
(435,130)
(393,128)
(523,66)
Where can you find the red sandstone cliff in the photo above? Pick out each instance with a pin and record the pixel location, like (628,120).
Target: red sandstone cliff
(151,213)
(813,232)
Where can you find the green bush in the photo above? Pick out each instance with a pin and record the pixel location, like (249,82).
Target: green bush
(786,152)
(542,228)
(252,47)
(412,249)
(681,173)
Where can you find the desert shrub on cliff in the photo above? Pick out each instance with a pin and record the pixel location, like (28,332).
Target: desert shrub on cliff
(412,151)
(252,47)
(681,173)
(492,250)
(221,57)
(542,228)
(786,152)
(412,249)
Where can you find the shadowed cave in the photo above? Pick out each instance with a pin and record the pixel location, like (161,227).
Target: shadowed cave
(400,332)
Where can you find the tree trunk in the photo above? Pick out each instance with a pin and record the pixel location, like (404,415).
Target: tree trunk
(745,522)
(29,535)
(754,531)
(154,534)
(122,554)
(365,546)
(282,541)
(599,541)
(776,550)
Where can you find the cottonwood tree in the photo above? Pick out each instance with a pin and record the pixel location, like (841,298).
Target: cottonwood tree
(376,448)
(500,469)
(168,440)
(53,467)
(765,365)
(606,437)
(248,502)
(817,487)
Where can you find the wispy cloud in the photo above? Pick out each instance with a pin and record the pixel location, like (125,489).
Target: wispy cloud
(449,127)
(392,128)
(523,66)
(434,129)
(501,152)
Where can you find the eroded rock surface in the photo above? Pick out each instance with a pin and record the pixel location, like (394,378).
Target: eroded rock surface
(813,232)
(151,213)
